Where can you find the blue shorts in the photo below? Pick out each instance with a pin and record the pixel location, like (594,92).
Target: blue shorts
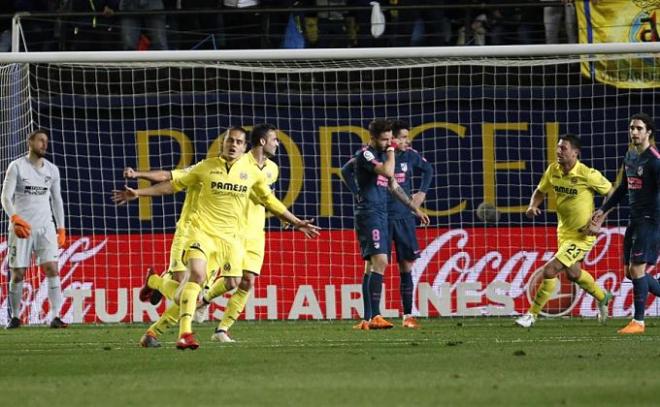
(402,232)
(640,243)
(371,229)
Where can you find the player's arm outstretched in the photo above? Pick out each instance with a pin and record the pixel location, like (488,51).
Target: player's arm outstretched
(265,195)
(120,197)
(153,175)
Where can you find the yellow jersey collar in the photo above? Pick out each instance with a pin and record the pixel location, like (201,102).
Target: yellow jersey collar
(572,171)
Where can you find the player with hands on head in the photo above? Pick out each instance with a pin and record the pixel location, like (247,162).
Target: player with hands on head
(368,174)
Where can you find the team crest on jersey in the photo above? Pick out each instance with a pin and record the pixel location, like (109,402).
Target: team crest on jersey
(269,174)
(368,155)
(404,167)
(573,180)
(640,171)
(243,176)
(226,267)
(48,178)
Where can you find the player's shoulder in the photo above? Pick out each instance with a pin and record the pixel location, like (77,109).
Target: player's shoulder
(270,165)
(553,169)
(19,162)
(366,153)
(52,168)
(193,166)
(583,169)
(654,154)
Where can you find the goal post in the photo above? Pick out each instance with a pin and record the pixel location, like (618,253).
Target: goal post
(486,118)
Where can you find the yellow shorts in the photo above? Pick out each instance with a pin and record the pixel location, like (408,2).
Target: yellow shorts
(255,247)
(220,252)
(178,247)
(574,249)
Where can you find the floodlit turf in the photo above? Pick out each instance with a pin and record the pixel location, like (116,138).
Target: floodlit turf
(447,362)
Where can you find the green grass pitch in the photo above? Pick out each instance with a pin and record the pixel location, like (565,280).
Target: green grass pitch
(309,363)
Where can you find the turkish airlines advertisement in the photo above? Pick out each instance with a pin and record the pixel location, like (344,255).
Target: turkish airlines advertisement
(461,272)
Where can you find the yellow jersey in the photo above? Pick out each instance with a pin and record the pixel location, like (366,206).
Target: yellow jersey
(225,193)
(192,193)
(575,195)
(256,212)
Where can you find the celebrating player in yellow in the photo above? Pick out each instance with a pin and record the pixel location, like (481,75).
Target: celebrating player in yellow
(574,184)
(216,227)
(167,285)
(264,141)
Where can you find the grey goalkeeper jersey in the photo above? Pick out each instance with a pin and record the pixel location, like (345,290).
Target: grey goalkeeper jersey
(33,193)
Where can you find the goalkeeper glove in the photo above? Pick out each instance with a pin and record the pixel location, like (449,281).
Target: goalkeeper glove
(61,237)
(22,229)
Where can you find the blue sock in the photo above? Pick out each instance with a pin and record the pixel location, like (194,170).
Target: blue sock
(654,285)
(375,289)
(366,302)
(640,293)
(406,289)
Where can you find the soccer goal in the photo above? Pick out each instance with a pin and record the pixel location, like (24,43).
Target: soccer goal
(486,118)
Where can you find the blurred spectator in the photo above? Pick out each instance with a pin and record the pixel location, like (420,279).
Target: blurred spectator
(363,19)
(400,23)
(153,26)
(552,19)
(202,30)
(525,25)
(94,32)
(275,24)
(331,29)
(293,31)
(437,27)
(6,7)
(473,33)
(243,30)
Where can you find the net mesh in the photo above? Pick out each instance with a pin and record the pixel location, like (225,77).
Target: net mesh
(488,127)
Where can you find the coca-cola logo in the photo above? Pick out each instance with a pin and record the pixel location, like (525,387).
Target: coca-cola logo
(35,290)
(512,258)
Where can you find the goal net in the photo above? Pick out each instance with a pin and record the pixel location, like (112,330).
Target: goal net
(487,125)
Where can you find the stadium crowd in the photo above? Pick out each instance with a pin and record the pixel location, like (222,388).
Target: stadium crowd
(253,24)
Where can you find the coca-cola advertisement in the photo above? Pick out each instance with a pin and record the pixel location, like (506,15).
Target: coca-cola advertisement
(461,272)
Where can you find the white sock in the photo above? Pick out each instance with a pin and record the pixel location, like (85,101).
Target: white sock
(15,297)
(639,322)
(54,295)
